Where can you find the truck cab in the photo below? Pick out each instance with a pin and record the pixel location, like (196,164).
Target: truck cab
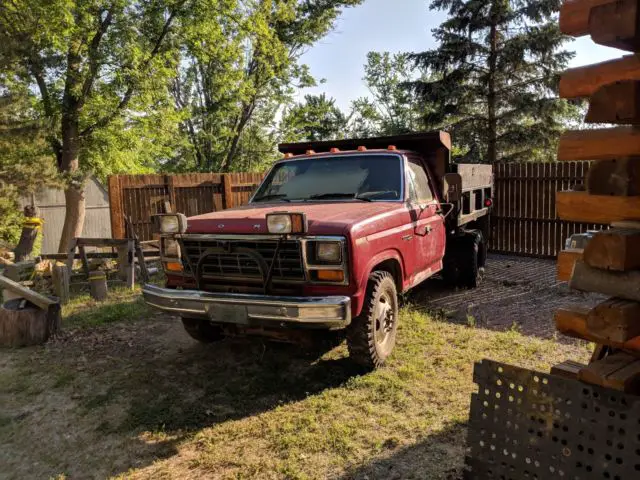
(333,234)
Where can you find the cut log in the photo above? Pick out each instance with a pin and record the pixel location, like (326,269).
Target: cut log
(599,144)
(582,207)
(566,261)
(615,249)
(616,103)
(614,177)
(24,325)
(572,322)
(597,372)
(616,320)
(626,379)
(574,16)
(567,369)
(616,284)
(98,286)
(583,82)
(616,24)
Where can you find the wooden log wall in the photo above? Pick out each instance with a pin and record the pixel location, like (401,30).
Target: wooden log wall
(141,196)
(610,263)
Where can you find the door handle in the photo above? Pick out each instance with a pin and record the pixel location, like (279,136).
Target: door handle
(428,229)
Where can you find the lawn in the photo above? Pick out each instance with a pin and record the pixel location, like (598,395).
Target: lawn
(125,393)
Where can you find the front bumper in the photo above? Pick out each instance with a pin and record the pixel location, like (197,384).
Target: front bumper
(324,312)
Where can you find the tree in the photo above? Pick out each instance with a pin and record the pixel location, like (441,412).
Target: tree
(91,61)
(316,119)
(496,71)
(26,163)
(385,77)
(237,73)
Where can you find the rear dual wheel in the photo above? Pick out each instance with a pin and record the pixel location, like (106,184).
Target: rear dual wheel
(371,336)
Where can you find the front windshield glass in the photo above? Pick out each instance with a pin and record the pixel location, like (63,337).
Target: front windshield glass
(357,177)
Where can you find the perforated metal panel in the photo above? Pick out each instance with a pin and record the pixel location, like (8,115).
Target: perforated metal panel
(528,425)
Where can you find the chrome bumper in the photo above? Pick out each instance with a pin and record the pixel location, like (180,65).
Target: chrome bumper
(240,309)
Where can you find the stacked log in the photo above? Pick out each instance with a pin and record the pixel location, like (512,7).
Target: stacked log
(610,263)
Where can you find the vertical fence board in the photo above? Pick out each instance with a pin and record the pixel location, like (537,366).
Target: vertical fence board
(524,217)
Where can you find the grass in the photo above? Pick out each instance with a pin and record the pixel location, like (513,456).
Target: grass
(153,404)
(123,304)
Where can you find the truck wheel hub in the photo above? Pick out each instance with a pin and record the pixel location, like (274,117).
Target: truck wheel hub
(385,319)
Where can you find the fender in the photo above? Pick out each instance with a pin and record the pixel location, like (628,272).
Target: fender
(389,254)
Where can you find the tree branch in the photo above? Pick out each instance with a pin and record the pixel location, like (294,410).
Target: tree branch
(93,55)
(124,102)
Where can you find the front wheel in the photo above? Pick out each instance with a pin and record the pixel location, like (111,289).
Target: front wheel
(371,336)
(202,331)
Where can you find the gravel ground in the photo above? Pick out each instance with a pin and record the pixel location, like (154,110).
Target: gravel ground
(518,291)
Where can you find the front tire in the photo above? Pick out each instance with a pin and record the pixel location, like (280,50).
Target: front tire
(371,336)
(202,331)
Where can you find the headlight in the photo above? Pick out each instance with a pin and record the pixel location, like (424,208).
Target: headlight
(329,252)
(285,223)
(170,248)
(279,224)
(170,223)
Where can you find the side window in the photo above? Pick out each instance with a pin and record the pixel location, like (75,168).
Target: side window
(418,183)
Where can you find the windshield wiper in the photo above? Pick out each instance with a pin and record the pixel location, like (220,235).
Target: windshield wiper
(327,196)
(273,196)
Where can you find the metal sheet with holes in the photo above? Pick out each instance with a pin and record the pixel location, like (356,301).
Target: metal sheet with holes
(529,425)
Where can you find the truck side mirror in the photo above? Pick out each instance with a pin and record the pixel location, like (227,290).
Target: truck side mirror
(452,187)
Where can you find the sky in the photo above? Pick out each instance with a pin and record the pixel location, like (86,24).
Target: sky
(393,26)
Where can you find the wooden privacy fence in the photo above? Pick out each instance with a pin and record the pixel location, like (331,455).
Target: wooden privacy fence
(140,196)
(524,220)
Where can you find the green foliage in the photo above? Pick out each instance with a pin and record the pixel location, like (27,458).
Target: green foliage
(25,162)
(317,118)
(393,108)
(237,73)
(495,78)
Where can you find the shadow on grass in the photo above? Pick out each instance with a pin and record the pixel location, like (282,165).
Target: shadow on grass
(437,457)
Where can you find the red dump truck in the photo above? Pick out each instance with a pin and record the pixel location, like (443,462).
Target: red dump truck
(333,234)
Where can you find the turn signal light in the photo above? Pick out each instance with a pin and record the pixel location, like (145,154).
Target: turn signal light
(488,203)
(311,152)
(362,148)
(392,147)
(334,150)
(331,275)
(173,267)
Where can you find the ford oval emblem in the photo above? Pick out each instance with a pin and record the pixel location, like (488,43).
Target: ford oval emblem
(221,225)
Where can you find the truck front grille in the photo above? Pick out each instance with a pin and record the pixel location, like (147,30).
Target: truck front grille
(235,260)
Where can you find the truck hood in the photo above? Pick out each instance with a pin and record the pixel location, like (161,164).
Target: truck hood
(333,218)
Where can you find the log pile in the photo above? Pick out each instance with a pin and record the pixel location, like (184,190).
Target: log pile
(610,263)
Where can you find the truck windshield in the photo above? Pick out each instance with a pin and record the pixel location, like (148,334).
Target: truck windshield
(357,178)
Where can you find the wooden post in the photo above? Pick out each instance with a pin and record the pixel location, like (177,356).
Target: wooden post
(116,208)
(61,280)
(227,191)
(126,263)
(98,286)
(71,254)
(171,189)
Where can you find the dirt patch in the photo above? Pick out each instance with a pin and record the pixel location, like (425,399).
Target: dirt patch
(517,292)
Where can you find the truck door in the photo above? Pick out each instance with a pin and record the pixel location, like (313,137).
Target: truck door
(429,229)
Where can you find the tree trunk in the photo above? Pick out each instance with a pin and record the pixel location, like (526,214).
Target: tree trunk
(74,216)
(69,164)
(492,62)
